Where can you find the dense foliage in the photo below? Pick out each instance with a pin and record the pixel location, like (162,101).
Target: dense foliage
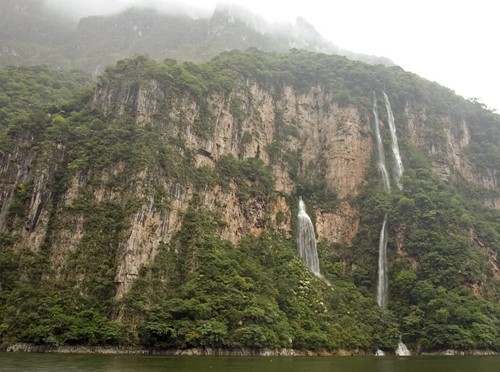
(210,294)
(438,278)
(203,291)
(28,89)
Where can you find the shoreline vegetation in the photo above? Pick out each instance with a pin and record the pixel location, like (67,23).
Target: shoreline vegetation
(239,352)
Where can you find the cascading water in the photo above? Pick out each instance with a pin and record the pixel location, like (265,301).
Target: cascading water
(402,350)
(382,284)
(395,147)
(306,240)
(379,353)
(380,148)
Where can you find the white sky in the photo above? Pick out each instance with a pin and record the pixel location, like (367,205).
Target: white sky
(453,42)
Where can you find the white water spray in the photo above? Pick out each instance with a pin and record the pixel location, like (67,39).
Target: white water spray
(379,353)
(394,139)
(306,240)
(402,350)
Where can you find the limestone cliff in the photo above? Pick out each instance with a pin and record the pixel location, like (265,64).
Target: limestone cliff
(447,141)
(167,198)
(325,139)
(333,141)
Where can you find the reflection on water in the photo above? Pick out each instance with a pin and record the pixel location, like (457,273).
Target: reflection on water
(17,362)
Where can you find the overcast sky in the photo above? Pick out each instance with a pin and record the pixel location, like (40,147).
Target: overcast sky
(453,42)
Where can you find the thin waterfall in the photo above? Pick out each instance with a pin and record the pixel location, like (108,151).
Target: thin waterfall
(306,240)
(380,148)
(394,138)
(382,284)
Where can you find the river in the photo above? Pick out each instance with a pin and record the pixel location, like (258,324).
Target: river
(17,362)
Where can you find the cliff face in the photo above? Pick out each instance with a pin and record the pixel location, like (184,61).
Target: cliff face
(332,141)
(169,195)
(328,141)
(449,150)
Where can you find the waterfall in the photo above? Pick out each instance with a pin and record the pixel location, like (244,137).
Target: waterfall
(382,284)
(379,353)
(402,350)
(395,147)
(380,148)
(306,240)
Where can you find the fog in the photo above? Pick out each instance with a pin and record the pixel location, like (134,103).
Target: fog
(448,41)
(76,9)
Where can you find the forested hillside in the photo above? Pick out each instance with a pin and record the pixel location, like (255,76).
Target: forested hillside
(158,208)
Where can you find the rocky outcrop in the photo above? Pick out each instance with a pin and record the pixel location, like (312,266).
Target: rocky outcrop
(338,226)
(333,140)
(488,253)
(446,142)
(492,202)
(448,149)
(26,189)
(149,227)
(15,169)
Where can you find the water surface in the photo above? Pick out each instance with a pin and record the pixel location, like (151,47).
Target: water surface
(124,363)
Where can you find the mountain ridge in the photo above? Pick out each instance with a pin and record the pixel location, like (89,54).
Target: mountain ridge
(99,41)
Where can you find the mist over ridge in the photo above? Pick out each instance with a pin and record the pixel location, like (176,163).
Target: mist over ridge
(37,32)
(76,9)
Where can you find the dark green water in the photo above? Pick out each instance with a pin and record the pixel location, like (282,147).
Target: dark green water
(123,363)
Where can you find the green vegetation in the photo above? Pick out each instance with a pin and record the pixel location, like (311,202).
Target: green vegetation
(78,171)
(442,290)
(27,89)
(211,294)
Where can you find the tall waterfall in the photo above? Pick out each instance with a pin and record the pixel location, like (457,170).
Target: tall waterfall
(394,139)
(380,148)
(382,284)
(306,240)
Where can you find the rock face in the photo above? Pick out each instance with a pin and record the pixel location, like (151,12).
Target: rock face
(339,226)
(298,134)
(448,151)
